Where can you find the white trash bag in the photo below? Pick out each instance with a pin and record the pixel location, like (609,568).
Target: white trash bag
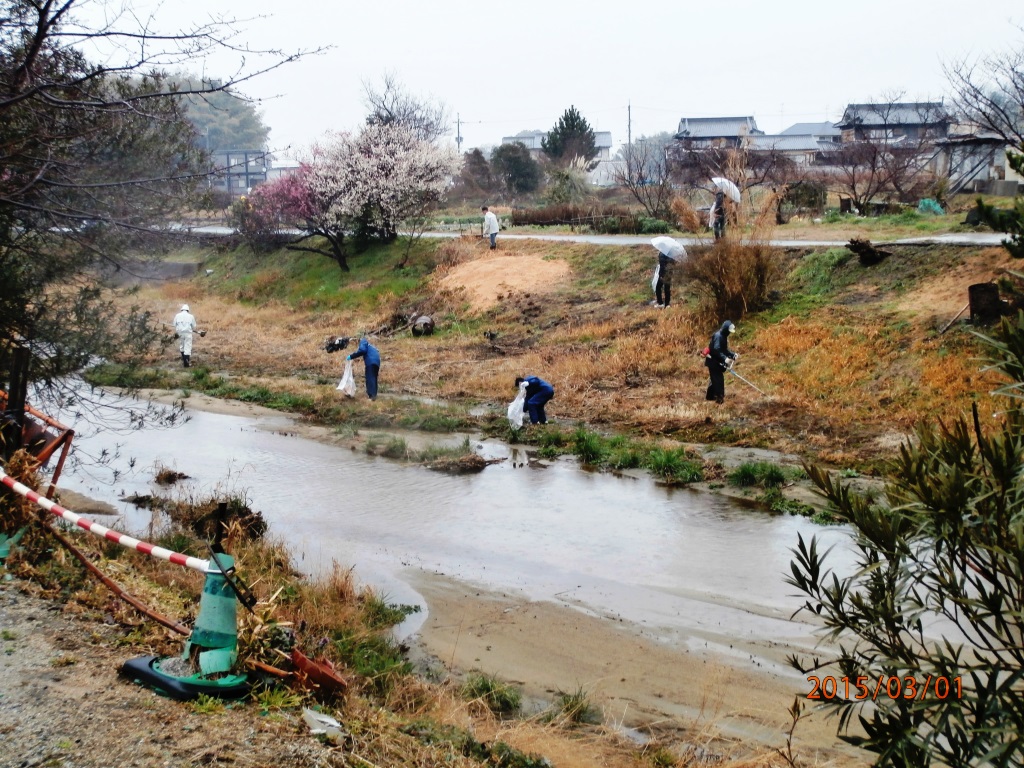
(348,381)
(515,408)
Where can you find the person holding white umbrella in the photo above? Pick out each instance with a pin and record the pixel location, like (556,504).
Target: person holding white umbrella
(717,214)
(669,252)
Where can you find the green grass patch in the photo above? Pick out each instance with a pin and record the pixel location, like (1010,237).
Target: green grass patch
(378,613)
(129,377)
(816,272)
(760,473)
(589,447)
(673,466)
(377,658)
(314,281)
(499,696)
(575,707)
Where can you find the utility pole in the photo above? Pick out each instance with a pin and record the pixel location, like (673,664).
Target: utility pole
(458,131)
(629,124)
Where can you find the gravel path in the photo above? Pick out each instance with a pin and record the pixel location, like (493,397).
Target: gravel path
(63,704)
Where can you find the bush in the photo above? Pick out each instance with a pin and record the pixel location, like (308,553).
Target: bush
(733,278)
(608,219)
(649,226)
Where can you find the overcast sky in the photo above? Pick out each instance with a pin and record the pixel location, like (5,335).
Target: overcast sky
(507,67)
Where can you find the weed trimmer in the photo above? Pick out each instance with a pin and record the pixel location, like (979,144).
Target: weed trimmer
(745,381)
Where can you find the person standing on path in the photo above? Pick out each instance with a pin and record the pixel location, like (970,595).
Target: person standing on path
(490,227)
(185,326)
(371,361)
(718,360)
(538,392)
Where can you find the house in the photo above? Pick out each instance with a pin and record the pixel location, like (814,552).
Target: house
(974,159)
(529,139)
(237,171)
(533,141)
(720,132)
(607,173)
(280,165)
(802,143)
(892,121)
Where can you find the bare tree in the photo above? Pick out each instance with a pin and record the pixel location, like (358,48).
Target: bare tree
(392,103)
(990,94)
(747,166)
(644,171)
(93,154)
(887,151)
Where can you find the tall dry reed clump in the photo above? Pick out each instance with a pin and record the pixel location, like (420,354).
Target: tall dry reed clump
(686,215)
(733,278)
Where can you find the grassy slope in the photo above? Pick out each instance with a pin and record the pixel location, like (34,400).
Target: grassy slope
(850,361)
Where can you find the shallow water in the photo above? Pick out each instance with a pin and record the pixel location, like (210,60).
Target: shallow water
(686,566)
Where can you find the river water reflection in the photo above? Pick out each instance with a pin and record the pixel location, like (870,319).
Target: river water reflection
(686,565)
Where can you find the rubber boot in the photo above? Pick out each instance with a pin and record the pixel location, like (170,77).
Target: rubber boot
(184,360)
(188,359)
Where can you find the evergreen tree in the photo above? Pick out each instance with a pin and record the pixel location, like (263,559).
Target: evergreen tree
(571,137)
(513,166)
(224,120)
(929,621)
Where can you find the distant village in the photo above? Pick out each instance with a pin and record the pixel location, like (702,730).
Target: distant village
(924,134)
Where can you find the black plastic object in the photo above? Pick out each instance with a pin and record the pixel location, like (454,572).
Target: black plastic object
(142,670)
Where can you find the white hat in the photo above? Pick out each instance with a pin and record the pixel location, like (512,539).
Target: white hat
(184,307)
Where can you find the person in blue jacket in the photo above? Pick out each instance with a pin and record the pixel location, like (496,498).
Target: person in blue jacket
(538,392)
(720,358)
(371,359)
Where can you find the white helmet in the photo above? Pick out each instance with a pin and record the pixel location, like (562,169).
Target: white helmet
(184,307)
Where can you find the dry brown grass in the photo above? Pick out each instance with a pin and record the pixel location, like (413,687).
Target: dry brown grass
(840,379)
(686,215)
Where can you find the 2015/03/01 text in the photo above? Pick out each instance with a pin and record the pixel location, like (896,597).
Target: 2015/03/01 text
(908,687)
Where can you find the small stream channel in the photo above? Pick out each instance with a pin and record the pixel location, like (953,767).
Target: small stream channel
(685,566)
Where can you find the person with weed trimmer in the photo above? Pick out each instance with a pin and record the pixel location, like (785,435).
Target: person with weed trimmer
(719,358)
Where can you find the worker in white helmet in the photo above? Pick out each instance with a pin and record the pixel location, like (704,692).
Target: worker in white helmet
(185,326)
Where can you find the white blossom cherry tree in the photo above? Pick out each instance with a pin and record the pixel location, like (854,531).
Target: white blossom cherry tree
(375,183)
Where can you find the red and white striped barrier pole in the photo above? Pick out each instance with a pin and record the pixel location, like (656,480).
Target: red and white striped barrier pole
(124,540)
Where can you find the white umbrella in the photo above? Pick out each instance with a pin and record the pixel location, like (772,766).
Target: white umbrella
(728,187)
(671,248)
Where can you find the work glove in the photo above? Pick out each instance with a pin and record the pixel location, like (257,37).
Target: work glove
(348,357)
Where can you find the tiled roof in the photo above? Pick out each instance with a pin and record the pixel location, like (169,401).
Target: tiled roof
(812,129)
(784,143)
(909,113)
(716,127)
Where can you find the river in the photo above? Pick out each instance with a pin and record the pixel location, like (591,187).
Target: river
(685,565)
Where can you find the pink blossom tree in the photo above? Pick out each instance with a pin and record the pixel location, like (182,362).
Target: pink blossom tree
(376,183)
